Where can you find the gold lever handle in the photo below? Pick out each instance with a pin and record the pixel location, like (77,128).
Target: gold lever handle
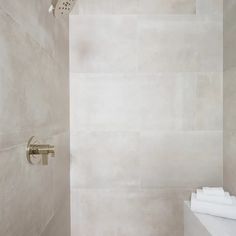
(44,160)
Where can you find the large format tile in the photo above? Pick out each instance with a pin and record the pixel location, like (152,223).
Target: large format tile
(60,169)
(210,8)
(229,13)
(59,225)
(35,192)
(179,44)
(147,158)
(139,102)
(34,100)
(145,43)
(229,34)
(167,6)
(230,161)
(229,100)
(229,95)
(181,159)
(229,47)
(26,70)
(27,191)
(34,18)
(122,102)
(202,99)
(103,44)
(146,109)
(105,159)
(128,213)
(125,7)
(88,7)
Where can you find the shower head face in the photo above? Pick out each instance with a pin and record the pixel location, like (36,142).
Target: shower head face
(63,7)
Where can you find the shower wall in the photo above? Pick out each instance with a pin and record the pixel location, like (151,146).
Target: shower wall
(229,95)
(146,112)
(34,100)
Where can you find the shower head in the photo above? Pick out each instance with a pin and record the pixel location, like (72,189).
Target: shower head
(62,7)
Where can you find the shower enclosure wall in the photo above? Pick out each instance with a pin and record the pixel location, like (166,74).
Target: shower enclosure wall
(34,100)
(146,112)
(230,95)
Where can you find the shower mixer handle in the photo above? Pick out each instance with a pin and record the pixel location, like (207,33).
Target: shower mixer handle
(41,149)
(34,150)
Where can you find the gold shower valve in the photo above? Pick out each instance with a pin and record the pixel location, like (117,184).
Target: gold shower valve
(35,150)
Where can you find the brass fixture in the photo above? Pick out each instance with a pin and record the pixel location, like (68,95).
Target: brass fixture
(34,150)
(61,7)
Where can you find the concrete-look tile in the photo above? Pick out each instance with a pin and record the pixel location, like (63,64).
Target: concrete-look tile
(229,34)
(230,161)
(59,98)
(27,194)
(88,7)
(34,18)
(123,102)
(60,47)
(103,44)
(59,225)
(125,7)
(167,6)
(34,100)
(229,47)
(181,159)
(128,213)
(210,8)
(23,95)
(61,169)
(229,99)
(104,159)
(104,102)
(179,44)
(229,7)
(140,102)
(202,102)
(229,96)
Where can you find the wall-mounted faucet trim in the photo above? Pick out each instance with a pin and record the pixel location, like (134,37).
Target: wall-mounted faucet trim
(34,150)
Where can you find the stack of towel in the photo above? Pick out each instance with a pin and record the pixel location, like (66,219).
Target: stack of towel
(214,201)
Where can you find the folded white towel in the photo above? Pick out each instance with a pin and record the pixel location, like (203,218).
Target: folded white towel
(214,191)
(221,210)
(226,199)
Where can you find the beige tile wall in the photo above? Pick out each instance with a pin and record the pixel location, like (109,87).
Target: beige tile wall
(86,7)
(146,112)
(34,100)
(127,212)
(229,95)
